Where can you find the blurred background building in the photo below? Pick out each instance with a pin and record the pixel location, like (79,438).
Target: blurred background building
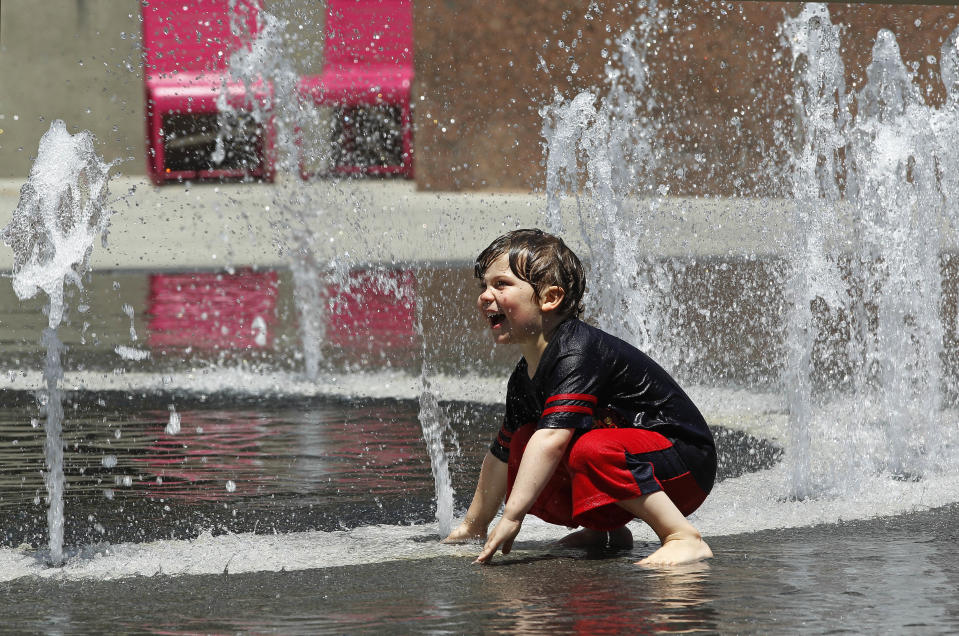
(718,82)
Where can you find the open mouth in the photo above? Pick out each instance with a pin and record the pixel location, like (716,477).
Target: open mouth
(495,320)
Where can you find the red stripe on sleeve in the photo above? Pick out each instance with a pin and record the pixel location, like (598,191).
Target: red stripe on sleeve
(571,408)
(584,397)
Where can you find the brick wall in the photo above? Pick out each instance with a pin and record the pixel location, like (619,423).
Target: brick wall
(719,78)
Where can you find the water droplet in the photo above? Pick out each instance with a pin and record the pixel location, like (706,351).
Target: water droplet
(173,425)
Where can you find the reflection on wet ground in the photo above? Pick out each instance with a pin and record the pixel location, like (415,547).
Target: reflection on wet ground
(246,464)
(727,315)
(890,576)
(728,311)
(229,466)
(160,321)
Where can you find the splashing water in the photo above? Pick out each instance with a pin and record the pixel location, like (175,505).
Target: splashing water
(436,431)
(436,426)
(870,176)
(60,214)
(262,65)
(263,62)
(173,424)
(888,157)
(897,250)
(311,307)
(818,93)
(611,138)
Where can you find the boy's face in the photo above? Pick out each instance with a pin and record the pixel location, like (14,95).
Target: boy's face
(509,305)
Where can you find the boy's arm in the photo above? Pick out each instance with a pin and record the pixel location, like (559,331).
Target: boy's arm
(490,490)
(543,453)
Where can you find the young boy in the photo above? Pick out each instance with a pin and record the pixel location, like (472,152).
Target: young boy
(595,432)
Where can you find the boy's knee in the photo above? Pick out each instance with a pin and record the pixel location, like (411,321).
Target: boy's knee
(589,448)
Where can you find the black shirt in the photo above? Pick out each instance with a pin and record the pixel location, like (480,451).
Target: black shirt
(588,378)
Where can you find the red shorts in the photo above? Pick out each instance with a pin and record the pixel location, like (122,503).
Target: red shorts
(602,467)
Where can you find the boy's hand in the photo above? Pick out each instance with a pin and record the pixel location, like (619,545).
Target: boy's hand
(504,533)
(464,533)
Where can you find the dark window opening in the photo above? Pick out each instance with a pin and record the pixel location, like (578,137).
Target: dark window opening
(190,142)
(367,136)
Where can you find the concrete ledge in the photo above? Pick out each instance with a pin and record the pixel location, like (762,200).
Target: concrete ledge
(204,226)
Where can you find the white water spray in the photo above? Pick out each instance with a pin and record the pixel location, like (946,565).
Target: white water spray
(818,95)
(881,156)
(897,210)
(614,143)
(262,64)
(436,426)
(60,214)
(880,143)
(309,296)
(436,433)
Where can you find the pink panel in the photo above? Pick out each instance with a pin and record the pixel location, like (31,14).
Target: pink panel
(191,35)
(369,32)
(369,61)
(360,85)
(227,447)
(187,45)
(213,311)
(373,311)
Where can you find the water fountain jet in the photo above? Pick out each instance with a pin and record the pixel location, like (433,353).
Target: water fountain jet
(867,184)
(60,214)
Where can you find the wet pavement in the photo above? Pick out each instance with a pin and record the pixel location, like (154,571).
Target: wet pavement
(238,465)
(894,575)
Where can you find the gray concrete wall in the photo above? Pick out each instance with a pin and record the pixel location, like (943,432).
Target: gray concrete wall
(80,61)
(75,60)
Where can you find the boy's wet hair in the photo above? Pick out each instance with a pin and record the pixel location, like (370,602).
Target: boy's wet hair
(542,260)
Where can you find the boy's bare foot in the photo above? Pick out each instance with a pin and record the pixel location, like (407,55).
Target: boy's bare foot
(586,538)
(677,550)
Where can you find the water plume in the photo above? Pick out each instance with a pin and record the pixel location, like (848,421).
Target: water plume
(819,97)
(870,179)
(61,212)
(437,432)
(870,161)
(601,150)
